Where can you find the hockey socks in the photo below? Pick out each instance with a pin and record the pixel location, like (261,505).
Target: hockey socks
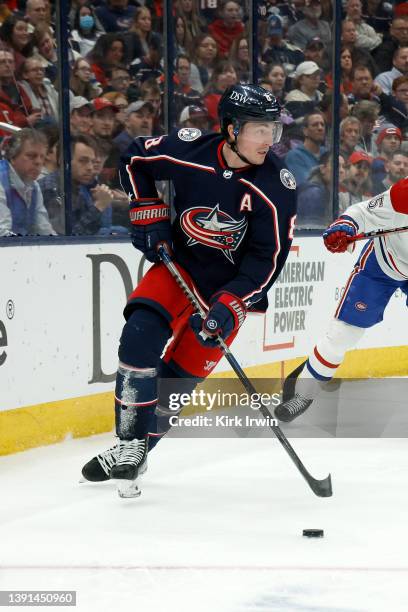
(326,357)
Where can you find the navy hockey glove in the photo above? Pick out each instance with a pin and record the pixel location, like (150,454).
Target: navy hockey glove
(225,316)
(150,228)
(337,236)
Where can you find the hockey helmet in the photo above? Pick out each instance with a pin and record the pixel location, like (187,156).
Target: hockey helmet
(242,103)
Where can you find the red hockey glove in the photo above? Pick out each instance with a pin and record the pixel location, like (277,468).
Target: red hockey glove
(225,316)
(337,236)
(151,227)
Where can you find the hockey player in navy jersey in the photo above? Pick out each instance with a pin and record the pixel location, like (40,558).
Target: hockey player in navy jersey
(235,208)
(381,269)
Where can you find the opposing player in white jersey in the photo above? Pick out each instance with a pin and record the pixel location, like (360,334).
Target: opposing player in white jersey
(381,269)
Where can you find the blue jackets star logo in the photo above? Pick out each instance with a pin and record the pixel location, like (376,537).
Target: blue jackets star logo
(213,228)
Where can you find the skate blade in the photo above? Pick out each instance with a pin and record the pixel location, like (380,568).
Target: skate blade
(127,488)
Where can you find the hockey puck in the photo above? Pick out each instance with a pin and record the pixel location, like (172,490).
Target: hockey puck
(313,533)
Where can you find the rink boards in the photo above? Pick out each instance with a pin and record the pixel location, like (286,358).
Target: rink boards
(61,318)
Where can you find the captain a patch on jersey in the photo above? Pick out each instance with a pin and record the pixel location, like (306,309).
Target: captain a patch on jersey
(287,179)
(213,228)
(189,134)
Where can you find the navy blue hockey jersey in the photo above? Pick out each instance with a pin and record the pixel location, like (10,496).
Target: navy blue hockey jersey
(233,228)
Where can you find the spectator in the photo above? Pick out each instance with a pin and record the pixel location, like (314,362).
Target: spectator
(116,15)
(87,205)
(13,99)
(81,116)
(22,208)
(184,94)
(378,14)
(350,134)
(397,169)
(51,132)
(306,97)
(310,27)
(397,37)
(314,196)
(43,95)
(85,32)
(149,66)
(139,122)
(276,77)
(395,107)
(109,51)
(357,182)
(36,13)
(367,37)
(81,83)
(205,57)
(348,33)
(115,217)
(367,112)
(239,56)
(182,36)
(279,50)
(223,76)
(362,84)
(103,126)
(346,63)
(228,27)
(140,34)
(194,117)
(150,92)
(400,68)
(121,103)
(359,55)
(16,37)
(388,142)
(46,45)
(326,109)
(118,79)
(315,52)
(301,160)
(189,11)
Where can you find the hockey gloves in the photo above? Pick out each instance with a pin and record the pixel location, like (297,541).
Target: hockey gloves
(337,236)
(150,228)
(227,313)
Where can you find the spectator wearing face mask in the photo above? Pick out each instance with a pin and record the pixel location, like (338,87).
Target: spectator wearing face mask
(85,32)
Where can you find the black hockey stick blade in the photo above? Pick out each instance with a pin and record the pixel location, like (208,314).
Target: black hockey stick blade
(321,488)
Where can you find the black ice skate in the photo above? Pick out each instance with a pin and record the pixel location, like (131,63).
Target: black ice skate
(290,410)
(98,469)
(131,463)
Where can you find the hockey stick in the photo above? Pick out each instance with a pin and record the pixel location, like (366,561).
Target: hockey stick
(377,233)
(322,488)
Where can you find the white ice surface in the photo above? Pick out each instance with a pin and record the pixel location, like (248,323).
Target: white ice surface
(218,528)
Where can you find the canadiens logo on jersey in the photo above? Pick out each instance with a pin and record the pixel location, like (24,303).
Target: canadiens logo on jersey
(213,228)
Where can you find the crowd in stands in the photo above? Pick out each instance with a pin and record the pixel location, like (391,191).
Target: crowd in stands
(117,81)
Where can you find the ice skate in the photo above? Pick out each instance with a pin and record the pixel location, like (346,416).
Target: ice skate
(99,467)
(291,409)
(131,463)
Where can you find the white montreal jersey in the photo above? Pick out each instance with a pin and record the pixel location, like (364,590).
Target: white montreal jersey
(381,213)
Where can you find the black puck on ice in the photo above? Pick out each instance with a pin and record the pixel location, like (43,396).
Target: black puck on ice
(313,533)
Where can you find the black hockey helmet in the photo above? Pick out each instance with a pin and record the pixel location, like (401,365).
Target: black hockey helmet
(242,103)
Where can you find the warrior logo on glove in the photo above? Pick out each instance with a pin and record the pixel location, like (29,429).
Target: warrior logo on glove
(213,228)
